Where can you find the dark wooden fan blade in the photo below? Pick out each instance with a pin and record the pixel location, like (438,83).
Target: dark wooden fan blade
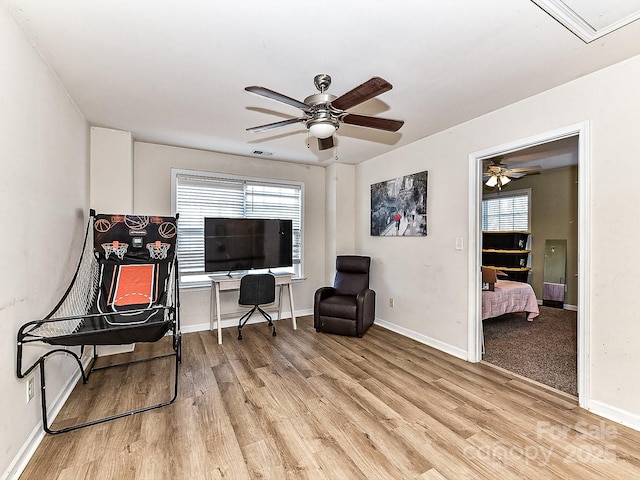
(525,170)
(373,122)
(265,92)
(362,93)
(325,143)
(269,126)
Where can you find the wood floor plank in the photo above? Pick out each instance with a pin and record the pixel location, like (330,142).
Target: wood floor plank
(307,405)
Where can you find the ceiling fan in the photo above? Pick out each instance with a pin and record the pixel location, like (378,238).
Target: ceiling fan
(323,112)
(499,174)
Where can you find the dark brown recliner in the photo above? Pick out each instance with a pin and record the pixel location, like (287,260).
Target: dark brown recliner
(347,308)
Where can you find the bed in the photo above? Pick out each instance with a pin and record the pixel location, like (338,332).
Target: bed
(509,297)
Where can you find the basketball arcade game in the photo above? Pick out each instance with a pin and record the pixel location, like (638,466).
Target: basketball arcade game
(125,290)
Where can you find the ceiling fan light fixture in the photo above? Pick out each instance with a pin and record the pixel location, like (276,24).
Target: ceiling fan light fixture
(322,129)
(504,179)
(492,182)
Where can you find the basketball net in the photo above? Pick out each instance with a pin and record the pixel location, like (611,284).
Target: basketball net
(158,250)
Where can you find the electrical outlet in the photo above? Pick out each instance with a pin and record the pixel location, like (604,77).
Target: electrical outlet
(391,302)
(30,388)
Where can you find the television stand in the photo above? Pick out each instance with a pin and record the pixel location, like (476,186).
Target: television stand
(223,283)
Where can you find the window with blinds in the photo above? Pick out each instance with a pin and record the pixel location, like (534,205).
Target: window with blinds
(197,195)
(506,211)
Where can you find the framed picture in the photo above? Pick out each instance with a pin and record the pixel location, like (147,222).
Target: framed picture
(399,207)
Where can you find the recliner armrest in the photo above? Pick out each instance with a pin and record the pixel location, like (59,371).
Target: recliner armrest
(366,300)
(321,294)
(363,294)
(324,292)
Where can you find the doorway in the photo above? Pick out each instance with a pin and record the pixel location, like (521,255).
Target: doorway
(475,331)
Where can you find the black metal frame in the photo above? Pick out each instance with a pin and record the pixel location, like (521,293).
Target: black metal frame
(26,337)
(86,373)
(245,318)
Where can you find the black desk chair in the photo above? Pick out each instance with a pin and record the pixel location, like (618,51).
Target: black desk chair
(257,290)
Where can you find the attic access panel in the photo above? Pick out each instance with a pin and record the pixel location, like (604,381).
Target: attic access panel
(592,19)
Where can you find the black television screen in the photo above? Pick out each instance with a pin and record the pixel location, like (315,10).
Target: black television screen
(246,243)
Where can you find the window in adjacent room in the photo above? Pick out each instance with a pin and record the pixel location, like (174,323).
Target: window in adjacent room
(506,211)
(196,195)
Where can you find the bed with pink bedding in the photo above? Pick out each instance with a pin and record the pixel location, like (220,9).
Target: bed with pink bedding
(509,297)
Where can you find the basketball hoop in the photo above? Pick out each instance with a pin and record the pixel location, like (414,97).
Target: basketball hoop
(158,250)
(115,247)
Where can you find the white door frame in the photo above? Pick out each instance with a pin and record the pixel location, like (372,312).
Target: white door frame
(474,343)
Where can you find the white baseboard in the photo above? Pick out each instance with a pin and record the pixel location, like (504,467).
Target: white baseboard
(29,447)
(106,350)
(432,342)
(233,322)
(198,327)
(27,450)
(599,408)
(616,414)
(20,461)
(573,308)
(565,306)
(304,313)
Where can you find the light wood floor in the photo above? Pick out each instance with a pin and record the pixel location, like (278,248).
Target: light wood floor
(305,405)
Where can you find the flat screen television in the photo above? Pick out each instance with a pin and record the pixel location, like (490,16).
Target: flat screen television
(246,244)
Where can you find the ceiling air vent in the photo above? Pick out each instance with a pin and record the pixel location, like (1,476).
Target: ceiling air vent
(262,153)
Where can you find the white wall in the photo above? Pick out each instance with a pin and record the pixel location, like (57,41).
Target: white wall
(44,196)
(111,170)
(428,278)
(331,192)
(340,224)
(424,275)
(152,195)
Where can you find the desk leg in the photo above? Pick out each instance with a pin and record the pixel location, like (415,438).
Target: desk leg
(219,320)
(279,302)
(293,312)
(212,307)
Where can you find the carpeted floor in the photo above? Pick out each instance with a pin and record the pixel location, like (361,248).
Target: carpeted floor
(543,350)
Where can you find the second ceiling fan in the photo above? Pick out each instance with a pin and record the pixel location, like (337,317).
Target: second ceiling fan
(499,174)
(323,112)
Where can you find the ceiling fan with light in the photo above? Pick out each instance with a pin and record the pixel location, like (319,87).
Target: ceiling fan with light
(323,112)
(499,174)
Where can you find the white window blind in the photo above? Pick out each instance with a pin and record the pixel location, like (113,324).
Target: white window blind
(506,212)
(198,195)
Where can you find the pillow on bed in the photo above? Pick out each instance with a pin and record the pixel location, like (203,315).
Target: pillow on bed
(489,278)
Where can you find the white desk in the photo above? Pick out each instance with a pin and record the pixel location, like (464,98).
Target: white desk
(221,283)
